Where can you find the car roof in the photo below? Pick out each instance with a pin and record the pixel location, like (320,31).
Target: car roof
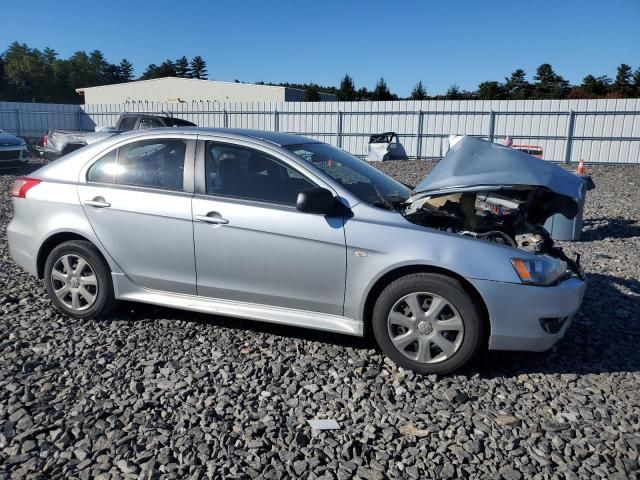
(277,138)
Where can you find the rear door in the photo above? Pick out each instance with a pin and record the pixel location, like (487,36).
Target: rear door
(138,200)
(251,243)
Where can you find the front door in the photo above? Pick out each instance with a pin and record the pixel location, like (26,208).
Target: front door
(251,243)
(136,201)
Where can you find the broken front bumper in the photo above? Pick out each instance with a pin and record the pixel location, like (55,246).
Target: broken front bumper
(531,318)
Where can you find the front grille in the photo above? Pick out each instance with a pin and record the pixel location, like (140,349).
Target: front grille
(9,154)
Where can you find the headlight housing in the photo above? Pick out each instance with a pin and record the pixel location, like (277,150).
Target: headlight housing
(539,271)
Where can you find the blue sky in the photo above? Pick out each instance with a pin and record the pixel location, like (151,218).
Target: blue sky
(440,43)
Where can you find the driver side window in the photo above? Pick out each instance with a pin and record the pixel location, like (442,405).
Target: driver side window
(245,173)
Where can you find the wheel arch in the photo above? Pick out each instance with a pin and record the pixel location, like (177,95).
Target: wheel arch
(399,272)
(56,239)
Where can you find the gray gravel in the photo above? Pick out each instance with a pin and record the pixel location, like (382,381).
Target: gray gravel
(155,392)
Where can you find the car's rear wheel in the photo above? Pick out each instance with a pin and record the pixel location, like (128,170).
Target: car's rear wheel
(78,280)
(427,323)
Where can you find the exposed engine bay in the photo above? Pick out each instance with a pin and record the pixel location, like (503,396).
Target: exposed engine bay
(510,217)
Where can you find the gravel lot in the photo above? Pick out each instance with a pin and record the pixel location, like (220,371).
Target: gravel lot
(154,392)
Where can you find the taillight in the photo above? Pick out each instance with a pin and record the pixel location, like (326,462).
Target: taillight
(45,141)
(22,185)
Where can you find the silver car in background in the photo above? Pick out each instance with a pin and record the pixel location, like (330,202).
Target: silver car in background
(285,229)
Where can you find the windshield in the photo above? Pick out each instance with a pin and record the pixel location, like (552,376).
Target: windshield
(365,181)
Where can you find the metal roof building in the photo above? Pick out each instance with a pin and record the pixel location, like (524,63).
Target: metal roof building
(181,90)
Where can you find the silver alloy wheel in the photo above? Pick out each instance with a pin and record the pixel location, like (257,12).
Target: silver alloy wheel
(425,327)
(74,282)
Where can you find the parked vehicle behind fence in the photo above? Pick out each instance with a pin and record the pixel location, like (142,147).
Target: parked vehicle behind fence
(285,229)
(57,143)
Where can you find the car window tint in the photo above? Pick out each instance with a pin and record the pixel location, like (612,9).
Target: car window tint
(127,123)
(249,174)
(149,123)
(104,170)
(148,163)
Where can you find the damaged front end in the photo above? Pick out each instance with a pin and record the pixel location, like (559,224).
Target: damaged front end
(496,194)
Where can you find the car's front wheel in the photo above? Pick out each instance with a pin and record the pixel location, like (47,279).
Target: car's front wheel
(78,280)
(427,323)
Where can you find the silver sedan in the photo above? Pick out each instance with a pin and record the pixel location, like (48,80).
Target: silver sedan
(285,229)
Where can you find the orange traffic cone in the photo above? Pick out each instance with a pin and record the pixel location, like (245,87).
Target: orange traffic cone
(580,169)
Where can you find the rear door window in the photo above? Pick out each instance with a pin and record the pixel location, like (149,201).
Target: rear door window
(148,122)
(127,123)
(157,163)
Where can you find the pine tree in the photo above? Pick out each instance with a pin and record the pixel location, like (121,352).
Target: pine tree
(622,87)
(517,87)
(381,92)
(636,82)
(419,92)
(312,93)
(594,87)
(453,93)
(182,67)
(125,70)
(198,68)
(347,91)
(549,84)
(491,91)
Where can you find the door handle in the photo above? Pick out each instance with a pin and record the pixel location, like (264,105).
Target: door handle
(212,217)
(97,202)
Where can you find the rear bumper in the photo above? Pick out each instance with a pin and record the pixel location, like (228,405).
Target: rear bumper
(20,237)
(515,312)
(48,154)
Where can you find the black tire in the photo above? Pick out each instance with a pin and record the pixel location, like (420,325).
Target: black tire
(455,295)
(104,297)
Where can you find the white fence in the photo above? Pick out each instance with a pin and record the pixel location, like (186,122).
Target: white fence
(598,131)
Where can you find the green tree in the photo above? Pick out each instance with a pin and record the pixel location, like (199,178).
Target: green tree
(622,86)
(517,87)
(182,67)
(454,93)
(26,73)
(347,91)
(312,94)
(419,92)
(381,92)
(125,70)
(595,87)
(165,69)
(636,82)
(491,91)
(198,68)
(363,94)
(549,84)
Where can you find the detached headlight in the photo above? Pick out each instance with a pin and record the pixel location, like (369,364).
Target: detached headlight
(539,271)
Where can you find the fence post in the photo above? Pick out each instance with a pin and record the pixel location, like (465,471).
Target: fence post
(339,132)
(79,114)
(569,142)
(225,118)
(19,122)
(419,136)
(492,125)
(276,120)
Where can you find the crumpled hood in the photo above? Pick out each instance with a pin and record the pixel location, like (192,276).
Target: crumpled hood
(6,139)
(472,164)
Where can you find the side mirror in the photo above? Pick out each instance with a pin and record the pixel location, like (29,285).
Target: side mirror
(317,200)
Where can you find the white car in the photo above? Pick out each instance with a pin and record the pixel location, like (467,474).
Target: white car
(13,150)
